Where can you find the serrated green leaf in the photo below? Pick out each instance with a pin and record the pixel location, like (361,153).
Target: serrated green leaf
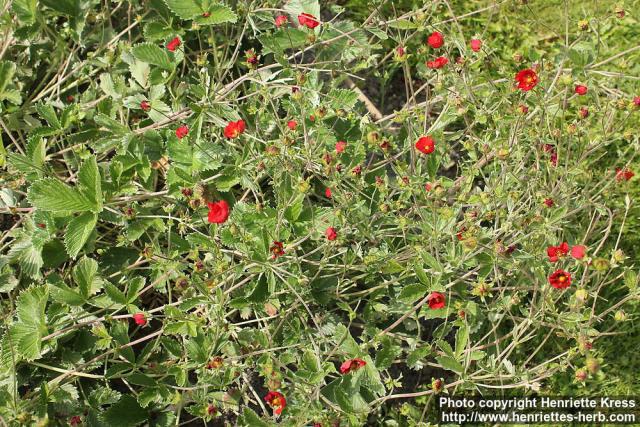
(153,55)
(47,112)
(7,70)
(403,24)
(27,331)
(115,294)
(342,98)
(85,276)
(279,41)
(50,194)
(462,337)
(25,10)
(28,254)
(217,14)
(90,184)
(127,412)
(78,231)
(450,364)
(185,9)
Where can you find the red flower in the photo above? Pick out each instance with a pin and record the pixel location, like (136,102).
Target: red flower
(549,202)
(75,421)
(182,131)
(436,300)
(428,186)
(425,144)
(475,44)
(636,101)
(439,62)
(400,52)
(560,279)
(351,365)
(331,233)
(145,106)
(276,400)
(308,20)
(357,170)
(556,252)
(435,40)
(327,193)
(218,212)
(578,251)
(624,174)
(212,410)
(340,146)
(581,89)
(292,124)
(140,319)
(277,250)
(234,129)
(527,79)
(174,44)
(281,20)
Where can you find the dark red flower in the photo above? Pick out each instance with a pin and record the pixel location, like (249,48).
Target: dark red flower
(70,98)
(584,112)
(523,109)
(212,410)
(174,44)
(459,235)
(252,58)
(439,62)
(327,193)
(308,20)
(218,212)
(578,251)
(624,174)
(428,186)
(556,252)
(400,52)
(435,40)
(234,129)
(560,279)
(145,106)
(581,89)
(357,170)
(277,249)
(553,158)
(351,365)
(75,421)
(340,146)
(475,44)
(140,319)
(425,144)
(292,124)
(281,20)
(527,79)
(636,101)
(549,202)
(182,131)
(276,400)
(436,300)
(331,233)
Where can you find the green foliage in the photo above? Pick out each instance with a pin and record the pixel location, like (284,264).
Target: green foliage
(354,274)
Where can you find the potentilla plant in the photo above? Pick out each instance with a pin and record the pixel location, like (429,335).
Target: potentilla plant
(260,213)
